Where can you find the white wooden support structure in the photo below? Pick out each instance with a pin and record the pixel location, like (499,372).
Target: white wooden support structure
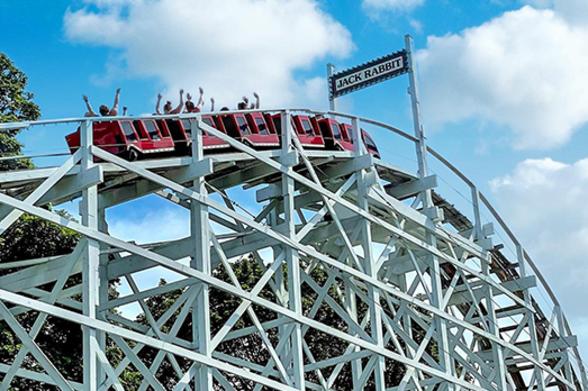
(90,263)
(199,229)
(427,202)
(371,267)
(336,231)
(296,367)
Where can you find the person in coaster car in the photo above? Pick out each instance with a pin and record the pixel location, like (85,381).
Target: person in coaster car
(194,108)
(167,108)
(103,109)
(244,104)
(256,105)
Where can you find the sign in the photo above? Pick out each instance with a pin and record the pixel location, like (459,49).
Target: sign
(367,74)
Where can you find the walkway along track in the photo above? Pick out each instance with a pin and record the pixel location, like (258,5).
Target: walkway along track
(391,265)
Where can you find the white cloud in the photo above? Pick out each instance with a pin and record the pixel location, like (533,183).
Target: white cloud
(545,203)
(525,69)
(230,47)
(395,5)
(575,11)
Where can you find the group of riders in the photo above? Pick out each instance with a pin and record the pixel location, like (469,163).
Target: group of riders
(186,107)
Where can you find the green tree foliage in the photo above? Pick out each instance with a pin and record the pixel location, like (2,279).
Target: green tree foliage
(29,238)
(16,104)
(251,348)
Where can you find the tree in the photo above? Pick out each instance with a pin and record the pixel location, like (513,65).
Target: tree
(251,348)
(31,237)
(16,104)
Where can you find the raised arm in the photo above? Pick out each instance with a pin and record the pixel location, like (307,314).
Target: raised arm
(90,112)
(178,109)
(211,104)
(256,95)
(157,111)
(200,102)
(114,109)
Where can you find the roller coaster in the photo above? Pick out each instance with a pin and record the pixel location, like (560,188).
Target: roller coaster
(421,280)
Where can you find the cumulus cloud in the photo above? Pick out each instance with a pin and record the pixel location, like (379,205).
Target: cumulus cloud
(545,202)
(575,11)
(230,47)
(525,69)
(395,5)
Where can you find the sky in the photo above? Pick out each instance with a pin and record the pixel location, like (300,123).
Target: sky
(504,90)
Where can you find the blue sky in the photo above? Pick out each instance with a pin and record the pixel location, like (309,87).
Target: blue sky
(61,69)
(505,89)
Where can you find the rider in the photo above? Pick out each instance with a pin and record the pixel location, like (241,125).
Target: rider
(195,108)
(103,109)
(167,108)
(244,104)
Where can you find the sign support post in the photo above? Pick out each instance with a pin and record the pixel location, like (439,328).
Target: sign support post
(413,91)
(330,73)
(429,209)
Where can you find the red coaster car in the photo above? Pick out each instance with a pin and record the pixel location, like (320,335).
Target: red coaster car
(370,145)
(251,129)
(129,139)
(336,136)
(339,136)
(181,132)
(347,131)
(306,129)
(135,139)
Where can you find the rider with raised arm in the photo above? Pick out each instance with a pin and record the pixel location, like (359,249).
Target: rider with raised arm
(244,104)
(194,108)
(103,109)
(256,105)
(200,103)
(157,111)
(167,108)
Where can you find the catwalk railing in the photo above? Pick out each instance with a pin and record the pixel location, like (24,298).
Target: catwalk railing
(438,271)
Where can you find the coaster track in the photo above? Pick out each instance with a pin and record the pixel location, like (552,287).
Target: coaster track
(416,285)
